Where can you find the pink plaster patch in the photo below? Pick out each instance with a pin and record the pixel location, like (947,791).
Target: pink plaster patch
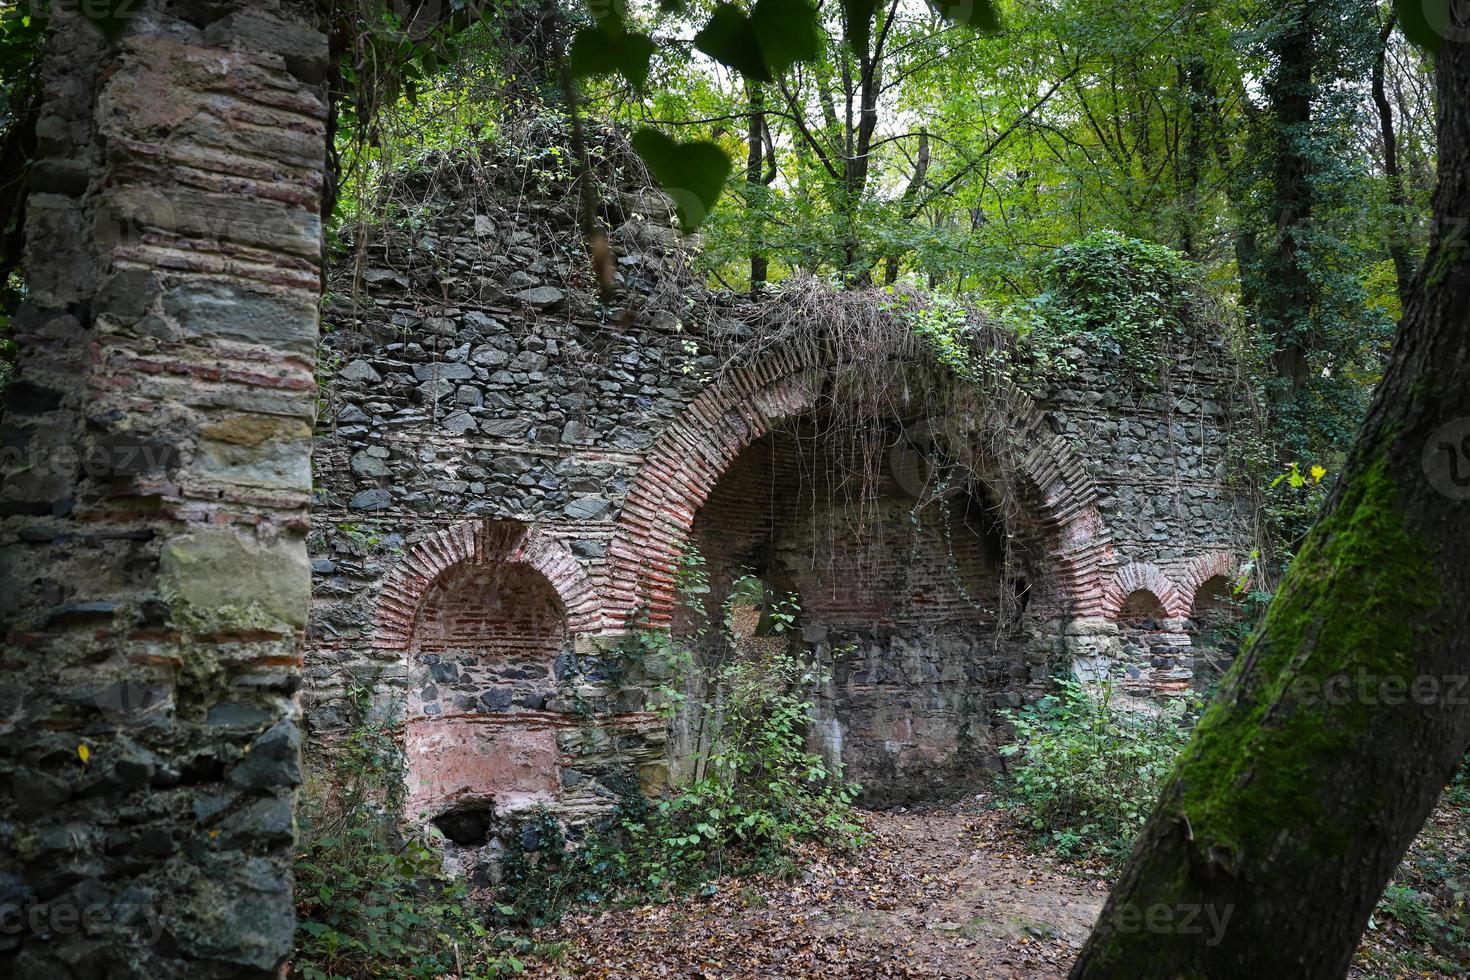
(456,759)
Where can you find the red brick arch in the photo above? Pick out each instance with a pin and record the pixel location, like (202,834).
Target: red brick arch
(690,456)
(1148,577)
(1204,567)
(482,542)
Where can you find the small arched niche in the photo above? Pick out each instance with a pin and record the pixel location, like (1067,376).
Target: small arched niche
(1215,624)
(1142,612)
(1156,654)
(480,737)
(1215,608)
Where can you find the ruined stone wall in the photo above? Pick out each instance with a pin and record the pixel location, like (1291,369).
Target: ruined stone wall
(485,412)
(1163,453)
(153,571)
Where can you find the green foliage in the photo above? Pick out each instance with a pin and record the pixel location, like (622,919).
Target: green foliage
(979,14)
(1090,773)
(1293,499)
(22,32)
(756,791)
(755,798)
(22,35)
(1425,22)
(761,791)
(1126,297)
(960,341)
(776,35)
(692,173)
(662,850)
(608,48)
(8,352)
(386,60)
(1403,903)
(1457,794)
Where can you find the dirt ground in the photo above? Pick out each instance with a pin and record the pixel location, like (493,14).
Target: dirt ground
(951,891)
(939,892)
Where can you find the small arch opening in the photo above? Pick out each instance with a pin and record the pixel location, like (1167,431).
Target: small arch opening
(1216,623)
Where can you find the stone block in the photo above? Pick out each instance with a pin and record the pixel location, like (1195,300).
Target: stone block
(279,320)
(220,580)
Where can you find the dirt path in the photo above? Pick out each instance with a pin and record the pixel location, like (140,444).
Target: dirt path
(941,892)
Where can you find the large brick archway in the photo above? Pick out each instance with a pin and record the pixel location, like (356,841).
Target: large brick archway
(689,457)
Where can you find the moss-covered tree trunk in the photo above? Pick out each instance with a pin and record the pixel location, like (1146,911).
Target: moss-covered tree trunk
(1344,719)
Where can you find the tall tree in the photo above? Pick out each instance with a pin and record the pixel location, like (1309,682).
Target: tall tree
(1343,720)
(760,172)
(1286,313)
(1397,232)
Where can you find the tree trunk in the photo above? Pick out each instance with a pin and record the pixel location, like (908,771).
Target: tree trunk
(1198,96)
(755,155)
(1342,722)
(1288,308)
(1398,248)
(921,171)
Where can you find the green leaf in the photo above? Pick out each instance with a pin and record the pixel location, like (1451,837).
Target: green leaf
(979,14)
(607,48)
(1426,23)
(859,17)
(787,30)
(693,173)
(730,38)
(776,35)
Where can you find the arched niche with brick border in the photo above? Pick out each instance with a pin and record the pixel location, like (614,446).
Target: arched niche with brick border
(482,612)
(1211,565)
(689,457)
(482,542)
(1209,581)
(1142,576)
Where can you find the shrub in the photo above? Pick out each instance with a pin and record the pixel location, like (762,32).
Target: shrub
(760,796)
(1457,793)
(1091,773)
(761,791)
(371,902)
(1129,297)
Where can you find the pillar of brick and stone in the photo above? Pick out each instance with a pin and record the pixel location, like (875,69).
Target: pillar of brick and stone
(153,571)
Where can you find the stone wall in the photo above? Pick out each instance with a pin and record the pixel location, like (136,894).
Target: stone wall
(487,417)
(153,513)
